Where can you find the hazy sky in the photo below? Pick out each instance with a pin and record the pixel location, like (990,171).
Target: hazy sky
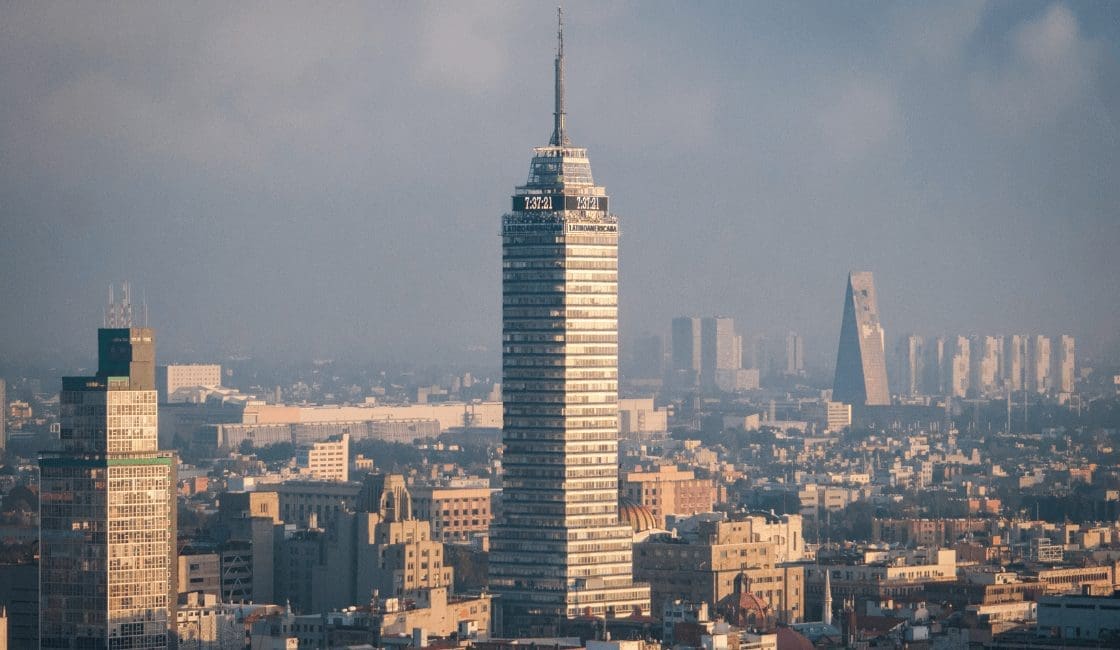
(328,180)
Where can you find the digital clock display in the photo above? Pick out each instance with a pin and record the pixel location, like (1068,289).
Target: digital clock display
(549,202)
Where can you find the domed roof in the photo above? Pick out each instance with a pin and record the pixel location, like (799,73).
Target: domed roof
(743,608)
(790,639)
(638,516)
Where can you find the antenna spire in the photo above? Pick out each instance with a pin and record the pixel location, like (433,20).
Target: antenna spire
(559,134)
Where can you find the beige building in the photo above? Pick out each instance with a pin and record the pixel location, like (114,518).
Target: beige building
(297,501)
(328,460)
(250,504)
(247,558)
(958,361)
(205,624)
(830,417)
(199,572)
(407,559)
(173,379)
(669,490)
(457,515)
(639,415)
(434,612)
(819,498)
(702,567)
(983,364)
(450,415)
(372,544)
(1070,580)
(264,424)
(438,614)
(882,574)
(1039,378)
(1065,364)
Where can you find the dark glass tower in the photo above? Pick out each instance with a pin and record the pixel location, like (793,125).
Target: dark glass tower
(558,550)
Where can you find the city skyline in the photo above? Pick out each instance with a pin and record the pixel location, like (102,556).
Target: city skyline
(296,186)
(243,252)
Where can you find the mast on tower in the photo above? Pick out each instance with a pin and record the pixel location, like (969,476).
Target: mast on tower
(826,610)
(559,133)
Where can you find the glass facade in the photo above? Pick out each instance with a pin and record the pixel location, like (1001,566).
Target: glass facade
(107,512)
(559,550)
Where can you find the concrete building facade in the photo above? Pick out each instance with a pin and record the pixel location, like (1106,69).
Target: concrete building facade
(703,567)
(669,490)
(170,379)
(457,515)
(328,460)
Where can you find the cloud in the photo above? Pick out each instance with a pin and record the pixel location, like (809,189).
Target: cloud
(1049,71)
(348,161)
(858,118)
(936,33)
(458,48)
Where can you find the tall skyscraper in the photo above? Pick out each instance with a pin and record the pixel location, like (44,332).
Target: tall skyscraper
(107,508)
(932,378)
(3,416)
(1065,364)
(558,550)
(721,351)
(861,367)
(647,358)
(958,361)
(911,365)
(1038,372)
(1014,361)
(984,364)
(756,354)
(686,357)
(795,354)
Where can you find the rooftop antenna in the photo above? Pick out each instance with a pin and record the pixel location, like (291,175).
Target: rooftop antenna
(559,134)
(119,313)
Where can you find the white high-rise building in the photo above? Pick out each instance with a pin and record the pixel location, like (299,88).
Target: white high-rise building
(721,353)
(1065,364)
(911,365)
(558,550)
(1038,375)
(172,379)
(984,364)
(795,354)
(326,460)
(685,354)
(933,375)
(958,362)
(1013,364)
